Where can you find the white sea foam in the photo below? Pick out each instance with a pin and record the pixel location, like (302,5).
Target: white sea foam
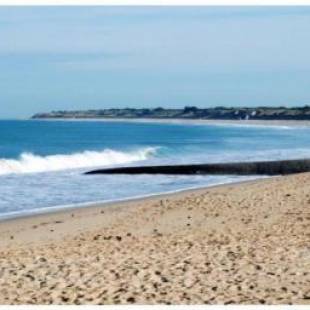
(30,163)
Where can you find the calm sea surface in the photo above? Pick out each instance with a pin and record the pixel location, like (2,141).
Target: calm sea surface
(42,162)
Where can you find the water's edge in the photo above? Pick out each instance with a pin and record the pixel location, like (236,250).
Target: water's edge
(179,121)
(106,203)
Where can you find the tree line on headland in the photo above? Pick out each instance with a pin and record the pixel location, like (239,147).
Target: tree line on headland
(188,112)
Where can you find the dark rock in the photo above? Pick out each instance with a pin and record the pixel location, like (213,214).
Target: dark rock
(279,167)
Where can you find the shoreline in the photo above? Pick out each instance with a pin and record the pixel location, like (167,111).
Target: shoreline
(65,210)
(102,203)
(263,123)
(86,204)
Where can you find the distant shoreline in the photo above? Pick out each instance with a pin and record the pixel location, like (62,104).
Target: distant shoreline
(276,123)
(188,113)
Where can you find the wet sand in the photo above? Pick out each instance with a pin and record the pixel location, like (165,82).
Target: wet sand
(243,243)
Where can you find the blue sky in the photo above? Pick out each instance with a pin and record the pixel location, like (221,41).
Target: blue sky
(57,58)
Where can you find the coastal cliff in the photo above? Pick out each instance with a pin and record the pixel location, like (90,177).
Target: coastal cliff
(217,113)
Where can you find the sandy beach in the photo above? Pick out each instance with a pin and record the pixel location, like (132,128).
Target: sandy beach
(245,243)
(219,122)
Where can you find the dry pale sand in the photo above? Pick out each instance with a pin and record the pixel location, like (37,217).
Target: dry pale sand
(244,243)
(250,122)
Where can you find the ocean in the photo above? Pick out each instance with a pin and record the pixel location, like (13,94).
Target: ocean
(42,162)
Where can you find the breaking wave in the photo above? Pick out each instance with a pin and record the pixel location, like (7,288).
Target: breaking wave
(30,163)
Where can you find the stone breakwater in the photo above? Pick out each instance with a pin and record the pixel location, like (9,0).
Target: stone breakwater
(281,167)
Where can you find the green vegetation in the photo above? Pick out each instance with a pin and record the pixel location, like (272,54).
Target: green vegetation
(217,113)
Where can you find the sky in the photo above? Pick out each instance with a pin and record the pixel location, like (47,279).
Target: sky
(71,58)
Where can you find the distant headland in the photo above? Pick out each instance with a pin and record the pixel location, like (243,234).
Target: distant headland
(189,112)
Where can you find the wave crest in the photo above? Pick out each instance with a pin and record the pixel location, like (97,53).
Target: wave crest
(30,163)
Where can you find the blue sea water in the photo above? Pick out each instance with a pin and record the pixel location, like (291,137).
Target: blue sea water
(42,162)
